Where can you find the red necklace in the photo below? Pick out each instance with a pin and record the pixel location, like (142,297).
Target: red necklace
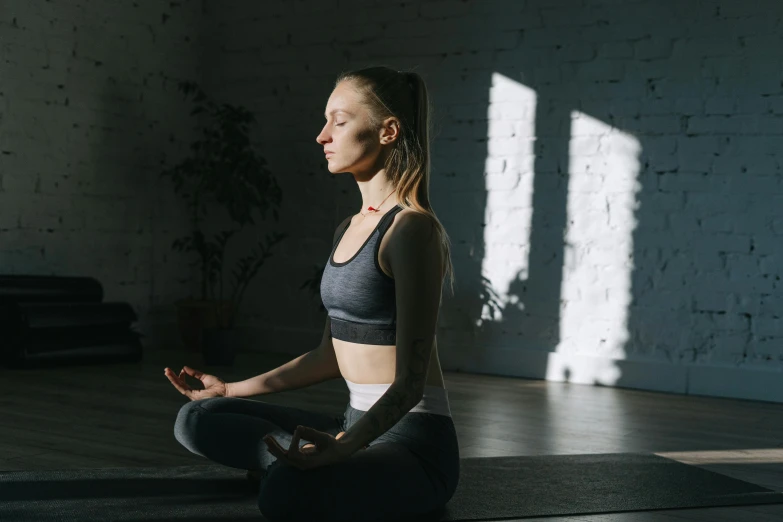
(372,209)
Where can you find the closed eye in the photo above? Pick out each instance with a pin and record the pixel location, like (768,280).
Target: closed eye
(338,124)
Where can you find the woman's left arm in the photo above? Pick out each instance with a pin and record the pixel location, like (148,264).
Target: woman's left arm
(415,258)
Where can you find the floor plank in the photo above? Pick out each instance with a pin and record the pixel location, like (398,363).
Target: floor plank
(113,415)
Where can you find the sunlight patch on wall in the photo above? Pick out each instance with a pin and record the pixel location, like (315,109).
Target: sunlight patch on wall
(508,175)
(598,240)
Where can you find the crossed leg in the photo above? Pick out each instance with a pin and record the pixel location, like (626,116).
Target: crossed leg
(384,482)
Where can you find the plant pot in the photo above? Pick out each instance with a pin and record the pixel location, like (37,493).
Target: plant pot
(193,315)
(219,346)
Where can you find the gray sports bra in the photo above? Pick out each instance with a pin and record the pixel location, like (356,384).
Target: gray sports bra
(359,298)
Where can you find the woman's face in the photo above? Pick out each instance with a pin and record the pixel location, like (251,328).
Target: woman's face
(349,141)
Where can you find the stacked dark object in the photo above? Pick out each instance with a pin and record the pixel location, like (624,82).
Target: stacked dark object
(54,320)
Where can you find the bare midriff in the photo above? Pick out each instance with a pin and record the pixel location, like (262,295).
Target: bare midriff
(374,364)
(371,363)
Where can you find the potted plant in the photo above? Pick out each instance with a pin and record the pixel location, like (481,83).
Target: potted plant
(313,284)
(222,170)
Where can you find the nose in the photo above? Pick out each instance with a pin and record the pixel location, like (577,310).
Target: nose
(323,137)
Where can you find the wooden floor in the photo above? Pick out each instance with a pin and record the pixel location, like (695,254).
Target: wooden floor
(123,414)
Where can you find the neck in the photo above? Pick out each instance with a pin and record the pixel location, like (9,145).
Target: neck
(377,192)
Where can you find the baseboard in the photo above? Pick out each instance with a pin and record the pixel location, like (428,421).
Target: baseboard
(758,384)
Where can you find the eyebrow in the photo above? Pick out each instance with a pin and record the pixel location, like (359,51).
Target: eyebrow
(339,110)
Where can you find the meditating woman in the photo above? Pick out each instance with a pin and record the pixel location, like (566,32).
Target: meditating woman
(393,453)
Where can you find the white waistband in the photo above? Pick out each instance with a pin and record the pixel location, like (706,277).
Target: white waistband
(435,399)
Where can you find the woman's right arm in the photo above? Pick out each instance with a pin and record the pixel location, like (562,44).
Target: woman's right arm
(313,367)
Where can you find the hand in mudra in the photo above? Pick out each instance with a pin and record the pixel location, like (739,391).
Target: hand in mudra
(213,386)
(328,450)
(310,445)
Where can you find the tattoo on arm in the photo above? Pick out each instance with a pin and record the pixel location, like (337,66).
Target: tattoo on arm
(385,413)
(417,366)
(398,399)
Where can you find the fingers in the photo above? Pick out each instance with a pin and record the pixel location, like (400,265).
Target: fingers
(180,376)
(308,450)
(300,458)
(193,372)
(312,434)
(304,432)
(178,383)
(275,448)
(294,446)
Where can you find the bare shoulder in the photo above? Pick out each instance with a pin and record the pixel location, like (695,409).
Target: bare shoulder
(410,231)
(407,226)
(412,225)
(340,227)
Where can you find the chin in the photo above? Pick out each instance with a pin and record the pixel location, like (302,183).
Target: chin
(334,168)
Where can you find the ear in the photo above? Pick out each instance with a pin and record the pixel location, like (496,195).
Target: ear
(390,130)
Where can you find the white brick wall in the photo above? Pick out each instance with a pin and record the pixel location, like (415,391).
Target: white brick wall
(652,242)
(88,104)
(611,168)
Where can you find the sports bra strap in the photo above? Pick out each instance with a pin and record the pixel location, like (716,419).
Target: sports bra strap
(347,222)
(383,226)
(386,220)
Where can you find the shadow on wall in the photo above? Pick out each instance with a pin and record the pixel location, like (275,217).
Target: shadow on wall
(642,217)
(124,147)
(92,113)
(605,170)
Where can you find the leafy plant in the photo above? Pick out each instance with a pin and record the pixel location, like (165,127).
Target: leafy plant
(224,169)
(313,284)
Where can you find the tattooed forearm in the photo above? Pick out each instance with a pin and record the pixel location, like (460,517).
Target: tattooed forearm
(403,394)
(384,414)
(416,366)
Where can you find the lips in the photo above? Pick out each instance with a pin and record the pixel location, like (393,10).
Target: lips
(327,153)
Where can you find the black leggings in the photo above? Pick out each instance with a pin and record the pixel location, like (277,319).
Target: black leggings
(411,470)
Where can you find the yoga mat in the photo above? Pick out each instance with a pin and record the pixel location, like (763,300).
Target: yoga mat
(516,487)
(490,489)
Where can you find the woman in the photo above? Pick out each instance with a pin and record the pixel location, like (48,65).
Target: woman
(393,453)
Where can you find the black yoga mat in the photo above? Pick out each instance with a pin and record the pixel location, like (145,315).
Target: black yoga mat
(516,487)
(490,489)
